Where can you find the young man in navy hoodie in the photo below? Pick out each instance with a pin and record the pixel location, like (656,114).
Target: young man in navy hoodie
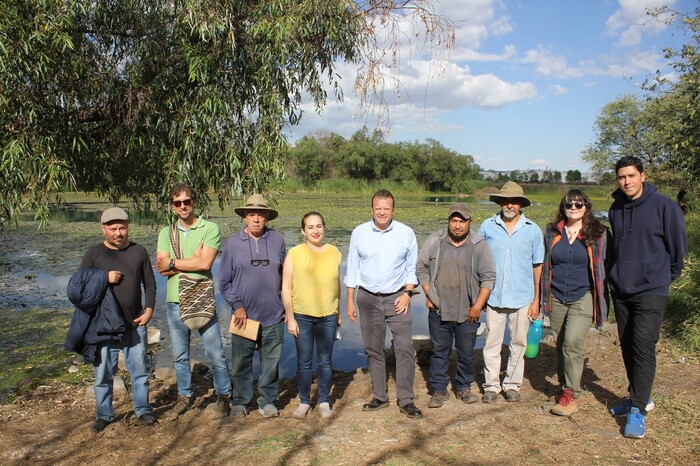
(650,243)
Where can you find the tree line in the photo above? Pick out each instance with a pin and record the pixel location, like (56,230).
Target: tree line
(369,157)
(548,176)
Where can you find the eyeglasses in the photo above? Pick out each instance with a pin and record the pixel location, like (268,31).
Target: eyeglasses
(571,205)
(256,262)
(186,202)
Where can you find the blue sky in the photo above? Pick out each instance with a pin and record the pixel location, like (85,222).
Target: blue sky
(524,84)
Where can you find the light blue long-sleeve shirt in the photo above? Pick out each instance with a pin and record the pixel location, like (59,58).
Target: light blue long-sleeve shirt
(515,256)
(382,261)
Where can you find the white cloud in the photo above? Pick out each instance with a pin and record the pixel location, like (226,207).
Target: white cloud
(558,90)
(537,163)
(457,88)
(509,51)
(630,22)
(548,64)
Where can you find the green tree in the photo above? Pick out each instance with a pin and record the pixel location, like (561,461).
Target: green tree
(573,177)
(125,98)
(312,159)
(625,127)
(662,128)
(551,176)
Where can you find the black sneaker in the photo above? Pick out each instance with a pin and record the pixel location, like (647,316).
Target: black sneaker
(147,419)
(411,411)
(99,425)
(374,405)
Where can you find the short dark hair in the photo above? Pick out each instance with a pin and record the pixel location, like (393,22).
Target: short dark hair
(182,187)
(383,194)
(628,161)
(309,214)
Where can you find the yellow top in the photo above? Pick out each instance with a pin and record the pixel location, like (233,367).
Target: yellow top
(315,290)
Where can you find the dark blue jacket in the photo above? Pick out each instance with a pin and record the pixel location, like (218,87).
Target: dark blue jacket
(650,243)
(97,317)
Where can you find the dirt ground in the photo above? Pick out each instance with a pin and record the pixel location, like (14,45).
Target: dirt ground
(52,425)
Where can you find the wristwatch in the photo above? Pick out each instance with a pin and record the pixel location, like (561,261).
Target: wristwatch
(171,265)
(409,293)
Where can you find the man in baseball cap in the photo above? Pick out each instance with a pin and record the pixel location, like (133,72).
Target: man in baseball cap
(129,268)
(457,272)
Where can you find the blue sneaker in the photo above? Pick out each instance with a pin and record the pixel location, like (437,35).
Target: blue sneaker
(635,427)
(624,408)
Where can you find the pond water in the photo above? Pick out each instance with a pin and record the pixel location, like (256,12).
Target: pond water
(348,353)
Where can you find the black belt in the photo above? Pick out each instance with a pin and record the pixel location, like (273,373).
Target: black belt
(382,295)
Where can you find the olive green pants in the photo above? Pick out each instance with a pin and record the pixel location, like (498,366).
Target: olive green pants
(570,324)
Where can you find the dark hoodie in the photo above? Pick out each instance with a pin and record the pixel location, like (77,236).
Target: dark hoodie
(650,243)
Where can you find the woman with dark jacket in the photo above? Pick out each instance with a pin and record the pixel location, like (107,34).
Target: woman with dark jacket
(574,288)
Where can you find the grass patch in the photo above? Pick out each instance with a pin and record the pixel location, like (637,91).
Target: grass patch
(269,445)
(683,312)
(31,343)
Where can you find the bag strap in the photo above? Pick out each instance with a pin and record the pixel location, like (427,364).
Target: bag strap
(175,241)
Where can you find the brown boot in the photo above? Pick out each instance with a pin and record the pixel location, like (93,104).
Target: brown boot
(183,404)
(567,405)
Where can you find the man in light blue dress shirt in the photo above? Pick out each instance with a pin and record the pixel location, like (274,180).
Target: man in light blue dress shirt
(518,250)
(382,268)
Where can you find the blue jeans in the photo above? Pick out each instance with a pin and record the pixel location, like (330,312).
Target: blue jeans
(134,346)
(321,331)
(442,334)
(213,350)
(242,351)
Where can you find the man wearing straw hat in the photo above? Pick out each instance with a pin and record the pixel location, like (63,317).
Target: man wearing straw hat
(518,250)
(250,279)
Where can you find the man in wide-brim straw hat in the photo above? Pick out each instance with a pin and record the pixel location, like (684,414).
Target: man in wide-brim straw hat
(257,202)
(518,250)
(250,279)
(510,190)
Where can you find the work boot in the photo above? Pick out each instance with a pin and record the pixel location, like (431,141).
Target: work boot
(181,405)
(437,400)
(467,396)
(221,408)
(567,404)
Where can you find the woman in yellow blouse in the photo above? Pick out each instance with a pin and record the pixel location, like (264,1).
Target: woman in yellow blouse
(311,297)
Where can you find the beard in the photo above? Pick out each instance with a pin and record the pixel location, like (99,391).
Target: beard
(457,238)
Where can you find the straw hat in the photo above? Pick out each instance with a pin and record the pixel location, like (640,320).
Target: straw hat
(509,190)
(256,202)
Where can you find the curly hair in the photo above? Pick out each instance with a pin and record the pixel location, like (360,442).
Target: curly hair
(592,229)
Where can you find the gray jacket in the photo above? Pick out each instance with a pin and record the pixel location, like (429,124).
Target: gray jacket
(483,269)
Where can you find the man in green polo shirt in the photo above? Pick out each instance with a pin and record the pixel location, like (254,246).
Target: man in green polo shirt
(199,241)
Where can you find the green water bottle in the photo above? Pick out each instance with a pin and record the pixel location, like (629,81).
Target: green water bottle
(534,336)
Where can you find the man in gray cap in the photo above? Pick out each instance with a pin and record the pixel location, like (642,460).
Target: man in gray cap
(518,250)
(129,267)
(457,271)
